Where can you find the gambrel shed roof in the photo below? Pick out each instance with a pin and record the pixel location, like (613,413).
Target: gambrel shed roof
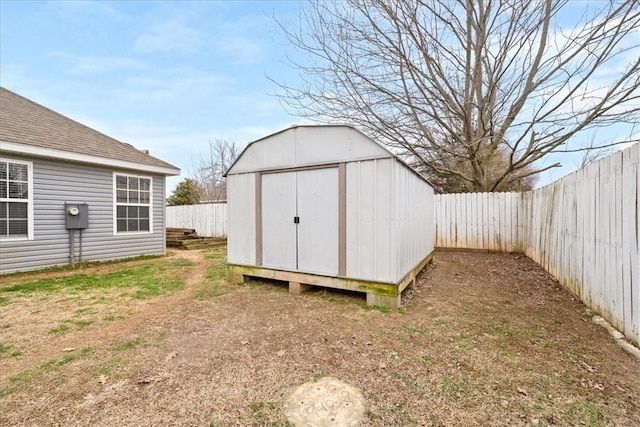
(309,145)
(29,128)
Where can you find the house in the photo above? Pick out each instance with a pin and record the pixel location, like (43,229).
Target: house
(328,206)
(69,193)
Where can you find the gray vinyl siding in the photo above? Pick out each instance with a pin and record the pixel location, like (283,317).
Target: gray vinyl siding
(55,183)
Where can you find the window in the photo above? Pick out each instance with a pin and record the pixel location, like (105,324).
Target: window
(16,210)
(133,205)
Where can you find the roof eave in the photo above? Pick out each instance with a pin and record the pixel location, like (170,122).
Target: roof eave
(31,150)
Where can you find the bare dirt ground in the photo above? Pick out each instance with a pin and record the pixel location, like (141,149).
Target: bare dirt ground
(484,340)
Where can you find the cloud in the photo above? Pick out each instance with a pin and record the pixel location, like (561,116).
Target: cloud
(89,8)
(242,39)
(242,49)
(174,86)
(96,64)
(170,36)
(235,40)
(16,77)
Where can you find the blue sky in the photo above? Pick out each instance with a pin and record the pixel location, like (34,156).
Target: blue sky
(162,76)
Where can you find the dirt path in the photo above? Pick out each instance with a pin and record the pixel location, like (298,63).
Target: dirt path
(143,316)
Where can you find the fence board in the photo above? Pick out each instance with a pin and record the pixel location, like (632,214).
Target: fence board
(583,229)
(208,219)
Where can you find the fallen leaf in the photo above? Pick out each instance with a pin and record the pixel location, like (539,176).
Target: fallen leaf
(170,356)
(281,353)
(522,391)
(102,379)
(69,349)
(587,367)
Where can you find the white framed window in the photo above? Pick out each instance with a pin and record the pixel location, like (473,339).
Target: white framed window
(132,204)
(16,199)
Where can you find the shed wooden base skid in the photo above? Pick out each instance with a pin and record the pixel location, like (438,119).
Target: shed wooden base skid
(378,293)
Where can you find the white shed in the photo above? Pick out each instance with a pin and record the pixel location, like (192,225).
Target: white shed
(328,206)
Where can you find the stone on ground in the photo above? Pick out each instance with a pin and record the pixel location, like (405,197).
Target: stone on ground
(323,403)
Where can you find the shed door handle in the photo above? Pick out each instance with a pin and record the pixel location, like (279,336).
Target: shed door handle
(296,220)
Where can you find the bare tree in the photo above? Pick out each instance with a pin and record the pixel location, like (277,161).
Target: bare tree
(209,168)
(593,153)
(474,92)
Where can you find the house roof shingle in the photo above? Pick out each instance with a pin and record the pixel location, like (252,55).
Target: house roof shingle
(23,121)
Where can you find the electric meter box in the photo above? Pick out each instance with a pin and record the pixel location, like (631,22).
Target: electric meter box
(76,216)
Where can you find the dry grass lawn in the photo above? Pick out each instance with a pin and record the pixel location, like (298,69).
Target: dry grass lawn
(484,340)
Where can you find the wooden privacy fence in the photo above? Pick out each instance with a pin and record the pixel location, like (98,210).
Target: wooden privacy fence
(208,219)
(583,229)
(494,221)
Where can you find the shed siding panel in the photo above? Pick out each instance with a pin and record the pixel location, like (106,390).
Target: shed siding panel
(305,146)
(241,208)
(331,144)
(369,245)
(263,155)
(55,183)
(413,224)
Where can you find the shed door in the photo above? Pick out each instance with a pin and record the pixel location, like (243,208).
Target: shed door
(278,229)
(300,220)
(318,227)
